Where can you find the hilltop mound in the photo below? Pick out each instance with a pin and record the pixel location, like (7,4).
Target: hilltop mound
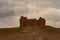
(49,29)
(30,33)
(30,29)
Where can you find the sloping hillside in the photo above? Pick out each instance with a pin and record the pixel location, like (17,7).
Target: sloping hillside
(30,33)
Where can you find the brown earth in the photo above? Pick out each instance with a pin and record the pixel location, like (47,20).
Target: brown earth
(30,33)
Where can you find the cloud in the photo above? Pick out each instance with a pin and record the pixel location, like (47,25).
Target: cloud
(56,4)
(53,17)
(9,22)
(53,14)
(6,13)
(11,10)
(5,9)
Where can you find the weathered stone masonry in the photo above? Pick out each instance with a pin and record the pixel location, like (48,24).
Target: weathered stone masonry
(24,21)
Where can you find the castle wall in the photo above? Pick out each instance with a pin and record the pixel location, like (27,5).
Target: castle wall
(23,21)
(41,22)
(32,22)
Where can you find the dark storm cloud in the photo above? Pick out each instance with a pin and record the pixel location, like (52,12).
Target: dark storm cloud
(5,9)
(6,13)
(2,4)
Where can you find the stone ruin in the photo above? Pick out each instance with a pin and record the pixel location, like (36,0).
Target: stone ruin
(24,21)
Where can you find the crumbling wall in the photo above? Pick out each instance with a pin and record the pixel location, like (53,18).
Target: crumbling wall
(23,21)
(41,22)
(32,22)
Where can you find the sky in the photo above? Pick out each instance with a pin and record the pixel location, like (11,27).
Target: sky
(12,10)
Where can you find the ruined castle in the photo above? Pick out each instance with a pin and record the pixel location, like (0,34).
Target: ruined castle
(24,21)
